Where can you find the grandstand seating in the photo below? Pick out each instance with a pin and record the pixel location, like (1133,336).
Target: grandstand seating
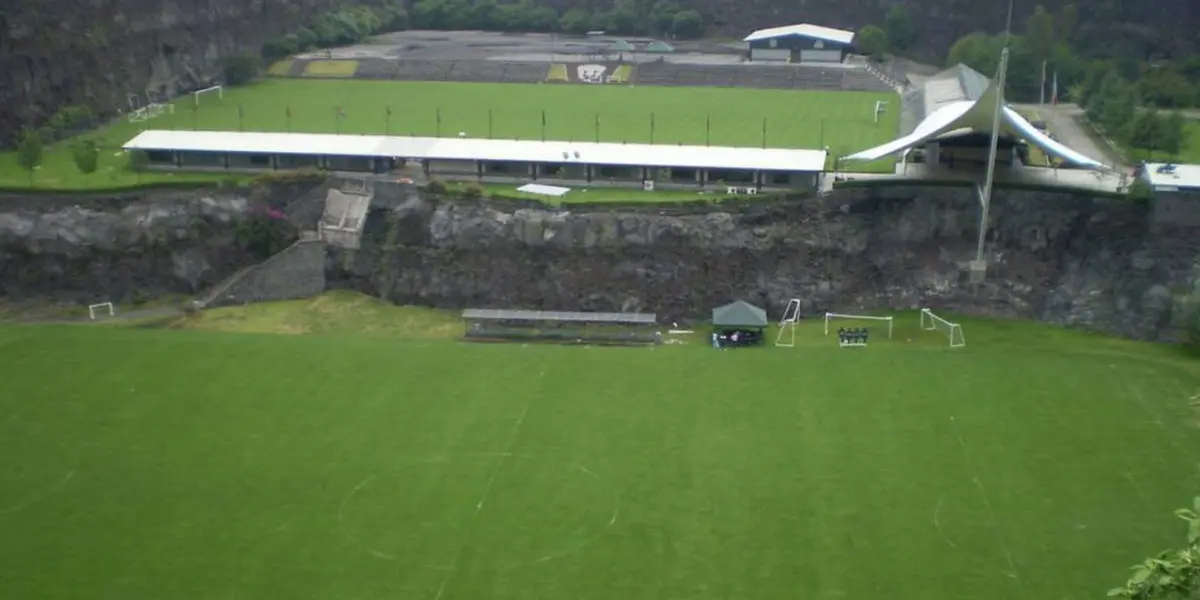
(650,73)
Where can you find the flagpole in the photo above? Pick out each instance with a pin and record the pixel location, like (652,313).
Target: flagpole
(707,128)
(985,199)
(543,125)
(489,123)
(1042,96)
(439,121)
(651,128)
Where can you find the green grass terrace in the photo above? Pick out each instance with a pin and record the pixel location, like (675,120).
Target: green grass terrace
(842,121)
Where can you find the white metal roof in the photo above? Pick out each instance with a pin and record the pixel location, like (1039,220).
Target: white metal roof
(977,116)
(649,155)
(1180,176)
(258,143)
(829,34)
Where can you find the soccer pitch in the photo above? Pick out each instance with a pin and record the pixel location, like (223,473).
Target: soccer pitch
(843,121)
(142,464)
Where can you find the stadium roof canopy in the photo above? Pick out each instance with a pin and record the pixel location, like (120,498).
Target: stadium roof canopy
(1170,177)
(427,148)
(660,47)
(476,314)
(828,34)
(957,102)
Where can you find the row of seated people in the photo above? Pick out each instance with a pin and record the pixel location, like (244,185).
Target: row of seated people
(853,336)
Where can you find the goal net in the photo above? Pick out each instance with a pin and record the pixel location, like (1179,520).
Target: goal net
(837,319)
(952,331)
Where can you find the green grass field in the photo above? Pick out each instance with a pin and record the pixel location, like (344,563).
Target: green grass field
(841,120)
(376,457)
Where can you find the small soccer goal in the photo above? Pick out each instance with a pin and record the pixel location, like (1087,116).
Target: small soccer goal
(786,337)
(835,317)
(952,331)
(216,90)
(100,310)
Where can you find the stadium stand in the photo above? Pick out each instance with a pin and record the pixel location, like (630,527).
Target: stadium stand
(650,73)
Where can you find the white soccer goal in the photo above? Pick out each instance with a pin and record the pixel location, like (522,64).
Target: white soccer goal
(218,90)
(836,316)
(787,325)
(103,307)
(880,109)
(952,331)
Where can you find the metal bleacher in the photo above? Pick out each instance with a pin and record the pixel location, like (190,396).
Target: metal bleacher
(561,327)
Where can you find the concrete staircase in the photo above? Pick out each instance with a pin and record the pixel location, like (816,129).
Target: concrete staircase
(346,213)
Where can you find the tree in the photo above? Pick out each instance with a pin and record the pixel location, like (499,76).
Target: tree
(898,25)
(1066,23)
(1112,105)
(1173,134)
(29,152)
(1173,574)
(975,50)
(1146,131)
(872,41)
(687,25)
(1165,87)
(86,156)
(626,18)
(576,21)
(240,69)
(1040,35)
(662,16)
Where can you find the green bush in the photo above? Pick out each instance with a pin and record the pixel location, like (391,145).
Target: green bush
(436,187)
(473,191)
(306,39)
(86,156)
(241,69)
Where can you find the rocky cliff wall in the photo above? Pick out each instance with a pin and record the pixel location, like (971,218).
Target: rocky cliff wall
(1059,258)
(98,52)
(1099,264)
(135,246)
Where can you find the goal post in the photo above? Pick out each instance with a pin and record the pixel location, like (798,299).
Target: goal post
(101,309)
(952,331)
(787,324)
(835,316)
(218,90)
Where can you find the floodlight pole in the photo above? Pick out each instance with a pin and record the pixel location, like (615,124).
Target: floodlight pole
(985,197)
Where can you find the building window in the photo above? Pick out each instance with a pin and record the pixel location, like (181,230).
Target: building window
(781,178)
(159,156)
(773,43)
(260,160)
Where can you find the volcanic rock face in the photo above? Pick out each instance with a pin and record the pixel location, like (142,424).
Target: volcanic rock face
(1098,264)
(98,52)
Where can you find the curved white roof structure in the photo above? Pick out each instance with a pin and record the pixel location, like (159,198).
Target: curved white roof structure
(974,115)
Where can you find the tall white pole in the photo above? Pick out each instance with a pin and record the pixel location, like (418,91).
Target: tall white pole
(985,199)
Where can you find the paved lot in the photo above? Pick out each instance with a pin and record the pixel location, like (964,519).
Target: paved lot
(1063,121)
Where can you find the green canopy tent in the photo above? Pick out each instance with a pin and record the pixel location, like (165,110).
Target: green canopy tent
(657,47)
(741,319)
(621,46)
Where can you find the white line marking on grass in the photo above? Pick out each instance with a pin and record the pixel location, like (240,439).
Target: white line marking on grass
(512,438)
(938,526)
(991,512)
(342,517)
(38,498)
